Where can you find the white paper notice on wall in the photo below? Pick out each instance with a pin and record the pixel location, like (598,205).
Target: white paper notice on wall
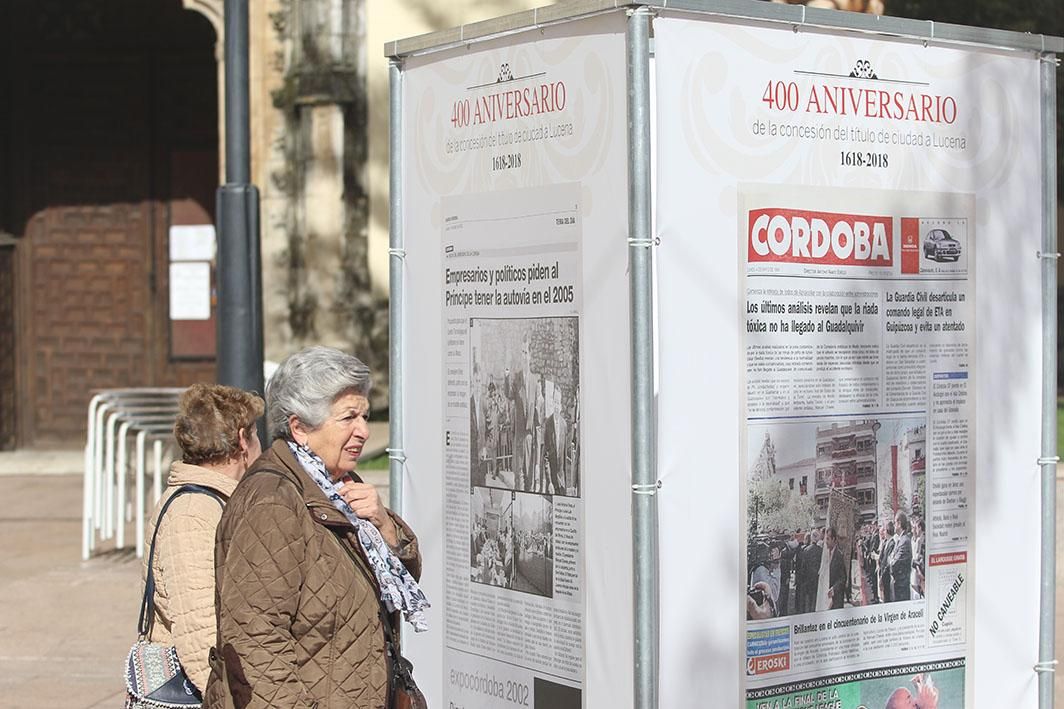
(192,242)
(190,290)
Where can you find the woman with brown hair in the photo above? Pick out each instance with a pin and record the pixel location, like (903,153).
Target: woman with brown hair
(215,428)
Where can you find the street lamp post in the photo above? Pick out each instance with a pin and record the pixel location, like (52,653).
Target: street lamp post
(240,347)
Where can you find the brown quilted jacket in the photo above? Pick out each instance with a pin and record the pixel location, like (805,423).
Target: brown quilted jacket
(298,624)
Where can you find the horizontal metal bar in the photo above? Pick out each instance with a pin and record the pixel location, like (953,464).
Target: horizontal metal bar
(863,22)
(499,26)
(905,27)
(924,30)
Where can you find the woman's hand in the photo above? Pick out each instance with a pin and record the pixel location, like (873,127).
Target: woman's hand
(366,503)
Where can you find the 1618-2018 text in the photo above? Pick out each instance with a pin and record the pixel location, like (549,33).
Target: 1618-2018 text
(506,161)
(853,158)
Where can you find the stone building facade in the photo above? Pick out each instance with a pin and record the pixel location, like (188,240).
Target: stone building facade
(798,475)
(911,486)
(846,461)
(114,136)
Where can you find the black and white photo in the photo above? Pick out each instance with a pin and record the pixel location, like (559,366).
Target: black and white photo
(524,405)
(491,547)
(534,542)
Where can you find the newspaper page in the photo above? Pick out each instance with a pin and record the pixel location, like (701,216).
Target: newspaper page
(858,344)
(513,196)
(513,505)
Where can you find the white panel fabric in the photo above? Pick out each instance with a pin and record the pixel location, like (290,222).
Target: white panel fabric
(760,117)
(514,162)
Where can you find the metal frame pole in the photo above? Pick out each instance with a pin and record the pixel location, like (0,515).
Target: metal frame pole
(240,344)
(237,98)
(1048,461)
(644,479)
(396,454)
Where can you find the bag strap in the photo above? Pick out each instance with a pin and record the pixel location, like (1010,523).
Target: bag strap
(147,604)
(400,667)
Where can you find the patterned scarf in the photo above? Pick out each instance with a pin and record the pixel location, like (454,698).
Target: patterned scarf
(399,590)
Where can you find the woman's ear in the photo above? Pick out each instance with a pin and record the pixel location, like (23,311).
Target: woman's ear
(245,439)
(299,431)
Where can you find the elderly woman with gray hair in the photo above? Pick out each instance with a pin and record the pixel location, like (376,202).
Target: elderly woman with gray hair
(312,570)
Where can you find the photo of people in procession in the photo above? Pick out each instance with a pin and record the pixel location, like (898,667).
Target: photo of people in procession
(534,539)
(512,540)
(835,514)
(524,405)
(491,547)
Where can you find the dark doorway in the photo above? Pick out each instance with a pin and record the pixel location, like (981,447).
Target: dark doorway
(110,140)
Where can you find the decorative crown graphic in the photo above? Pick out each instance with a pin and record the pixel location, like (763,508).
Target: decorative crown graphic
(863,70)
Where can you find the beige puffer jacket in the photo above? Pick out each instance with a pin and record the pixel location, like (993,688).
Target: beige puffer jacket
(299,624)
(184,567)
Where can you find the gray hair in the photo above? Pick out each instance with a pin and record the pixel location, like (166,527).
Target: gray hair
(307,383)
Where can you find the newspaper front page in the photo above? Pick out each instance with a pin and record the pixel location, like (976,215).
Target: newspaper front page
(858,344)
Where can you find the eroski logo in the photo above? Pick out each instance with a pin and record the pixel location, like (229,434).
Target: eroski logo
(769,663)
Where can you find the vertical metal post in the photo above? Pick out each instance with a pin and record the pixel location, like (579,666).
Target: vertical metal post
(644,480)
(240,347)
(395,288)
(1048,461)
(237,98)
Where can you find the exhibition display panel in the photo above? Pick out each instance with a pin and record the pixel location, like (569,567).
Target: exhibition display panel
(723,357)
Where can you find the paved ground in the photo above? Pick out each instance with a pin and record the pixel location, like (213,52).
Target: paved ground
(65,625)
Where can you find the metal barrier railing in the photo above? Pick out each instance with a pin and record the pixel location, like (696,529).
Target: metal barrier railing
(114,416)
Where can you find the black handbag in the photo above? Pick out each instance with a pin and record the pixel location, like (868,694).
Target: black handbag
(403,691)
(154,676)
(402,687)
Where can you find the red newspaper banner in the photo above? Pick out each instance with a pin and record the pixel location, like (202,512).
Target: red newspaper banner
(800,236)
(957,557)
